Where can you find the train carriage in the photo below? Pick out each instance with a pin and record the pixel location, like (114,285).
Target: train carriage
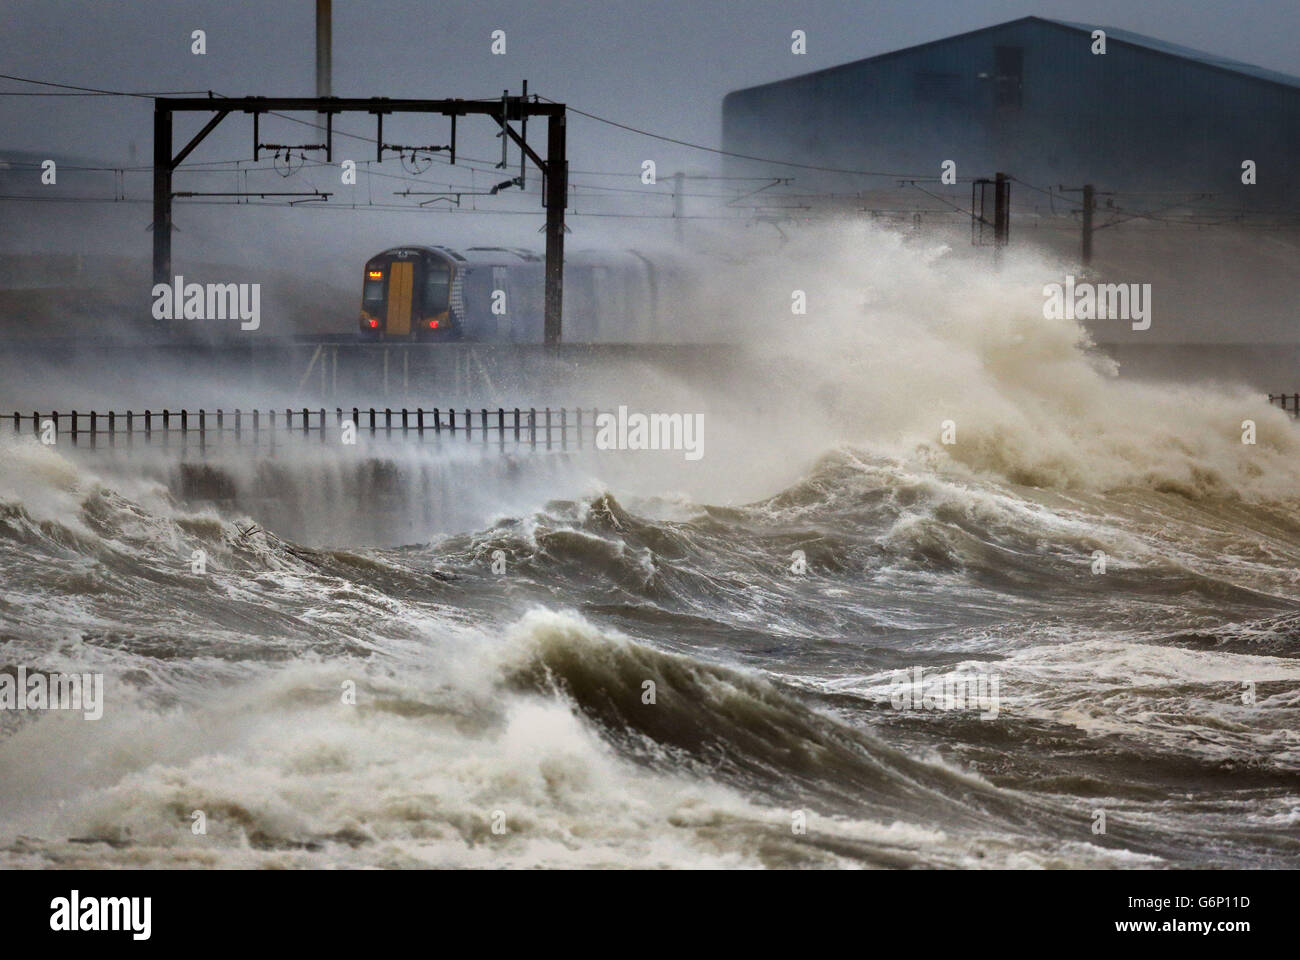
(497,294)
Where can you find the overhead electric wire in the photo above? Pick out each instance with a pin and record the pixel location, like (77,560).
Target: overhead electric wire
(1052,195)
(934,196)
(729,153)
(490,167)
(217,96)
(98,91)
(480,160)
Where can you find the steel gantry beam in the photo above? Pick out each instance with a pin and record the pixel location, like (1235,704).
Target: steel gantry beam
(554,168)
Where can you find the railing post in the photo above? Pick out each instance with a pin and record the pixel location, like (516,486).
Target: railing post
(437,421)
(578,412)
(74,428)
(501,428)
(532,427)
(516,424)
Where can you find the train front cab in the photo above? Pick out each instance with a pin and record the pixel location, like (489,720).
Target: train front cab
(407,296)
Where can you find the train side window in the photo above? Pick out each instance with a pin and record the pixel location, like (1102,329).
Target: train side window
(437,287)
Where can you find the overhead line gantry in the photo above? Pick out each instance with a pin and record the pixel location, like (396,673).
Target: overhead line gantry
(554,168)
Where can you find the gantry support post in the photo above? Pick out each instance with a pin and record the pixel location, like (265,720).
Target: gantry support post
(324,47)
(1001,209)
(1089,204)
(1088,209)
(162,194)
(557,197)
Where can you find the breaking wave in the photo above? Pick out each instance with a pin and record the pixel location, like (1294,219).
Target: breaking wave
(656,676)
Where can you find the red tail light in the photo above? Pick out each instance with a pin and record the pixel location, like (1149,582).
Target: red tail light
(433,324)
(373,323)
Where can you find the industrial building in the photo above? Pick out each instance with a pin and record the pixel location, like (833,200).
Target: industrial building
(1031,98)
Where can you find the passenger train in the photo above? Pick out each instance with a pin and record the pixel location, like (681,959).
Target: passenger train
(496,294)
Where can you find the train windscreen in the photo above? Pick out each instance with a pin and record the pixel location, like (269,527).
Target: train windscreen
(437,286)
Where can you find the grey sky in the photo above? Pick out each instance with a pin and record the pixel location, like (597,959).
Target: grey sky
(658,65)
